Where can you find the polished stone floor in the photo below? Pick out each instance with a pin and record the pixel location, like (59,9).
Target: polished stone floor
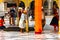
(46,35)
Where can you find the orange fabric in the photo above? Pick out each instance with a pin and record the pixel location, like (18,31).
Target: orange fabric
(38,16)
(1,22)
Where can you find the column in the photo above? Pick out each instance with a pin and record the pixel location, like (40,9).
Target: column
(38,16)
(2,8)
(50,5)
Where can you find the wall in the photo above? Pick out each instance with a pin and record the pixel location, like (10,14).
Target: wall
(27,2)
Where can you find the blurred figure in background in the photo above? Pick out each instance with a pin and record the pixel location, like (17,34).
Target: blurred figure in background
(55,19)
(2,22)
(20,12)
(22,21)
(7,19)
(32,9)
(12,15)
(43,18)
(20,9)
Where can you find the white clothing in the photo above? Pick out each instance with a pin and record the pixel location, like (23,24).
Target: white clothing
(6,20)
(21,22)
(31,23)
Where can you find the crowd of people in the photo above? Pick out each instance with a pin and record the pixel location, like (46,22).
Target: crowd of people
(12,15)
(23,12)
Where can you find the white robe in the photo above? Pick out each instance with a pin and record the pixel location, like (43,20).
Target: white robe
(21,22)
(6,20)
(31,23)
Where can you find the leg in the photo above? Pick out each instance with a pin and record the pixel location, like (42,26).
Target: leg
(54,27)
(21,30)
(13,21)
(10,20)
(57,29)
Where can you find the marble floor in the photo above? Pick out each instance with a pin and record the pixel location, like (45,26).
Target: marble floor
(46,35)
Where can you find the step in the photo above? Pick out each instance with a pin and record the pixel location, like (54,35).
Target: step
(12,29)
(17,29)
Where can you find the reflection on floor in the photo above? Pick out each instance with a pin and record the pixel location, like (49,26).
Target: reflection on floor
(46,35)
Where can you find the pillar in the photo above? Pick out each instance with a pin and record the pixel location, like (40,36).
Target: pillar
(38,16)
(50,5)
(2,8)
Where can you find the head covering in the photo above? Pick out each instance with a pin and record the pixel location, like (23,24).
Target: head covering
(20,8)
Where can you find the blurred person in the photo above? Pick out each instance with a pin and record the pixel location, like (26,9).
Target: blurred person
(43,19)
(7,19)
(55,19)
(2,22)
(32,9)
(12,15)
(8,15)
(20,10)
(22,21)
